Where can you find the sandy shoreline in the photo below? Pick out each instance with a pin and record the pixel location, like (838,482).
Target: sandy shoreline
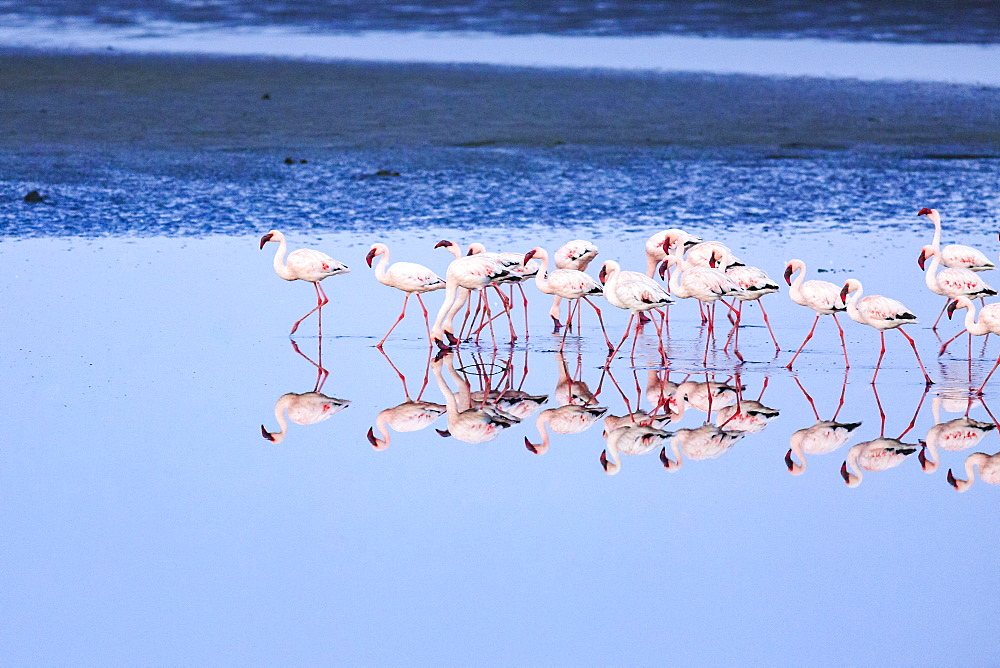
(122,102)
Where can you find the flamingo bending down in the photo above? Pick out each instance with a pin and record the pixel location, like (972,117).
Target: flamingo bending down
(407,416)
(661,243)
(749,416)
(822,297)
(518,270)
(306,408)
(636,293)
(823,437)
(465,274)
(988,323)
(951,282)
(467,424)
(954,435)
(576,255)
(962,257)
(873,456)
(705,442)
(754,283)
(881,313)
(569,419)
(989,471)
(409,277)
(307,265)
(569,284)
(633,440)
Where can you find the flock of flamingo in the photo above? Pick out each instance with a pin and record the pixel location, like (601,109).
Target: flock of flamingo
(707,271)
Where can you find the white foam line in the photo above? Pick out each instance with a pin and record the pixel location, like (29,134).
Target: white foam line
(957,63)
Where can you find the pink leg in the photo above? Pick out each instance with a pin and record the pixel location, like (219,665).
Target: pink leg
(809,336)
(628,328)
(988,376)
(914,346)
(944,346)
(525,297)
(600,320)
(770,331)
(507,308)
(881,431)
(934,326)
(427,322)
(570,308)
(402,314)
(880,356)
(320,302)
(843,342)
(635,338)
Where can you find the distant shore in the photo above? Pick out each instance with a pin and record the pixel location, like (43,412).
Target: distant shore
(87,102)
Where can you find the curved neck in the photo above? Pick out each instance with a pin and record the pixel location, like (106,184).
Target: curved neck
(381,267)
(936,241)
(279,415)
(678,460)
(971,325)
(382,424)
(541,280)
(541,423)
(611,282)
(677,264)
(852,304)
(930,276)
(451,406)
(855,477)
(798,468)
(279,261)
(970,467)
(796,286)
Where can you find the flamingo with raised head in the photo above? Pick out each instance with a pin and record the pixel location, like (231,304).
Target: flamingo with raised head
(570,284)
(873,456)
(881,313)
(962,257)
(576,254)
(950,282)
(411,278)
(518,270)
(822,297)
(989,471)
(304,264)
(988,323)
(635,293)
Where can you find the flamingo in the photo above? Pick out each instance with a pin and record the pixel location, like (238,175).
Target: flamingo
(409,277)
(634,292)
(873,456)
(749,416)
(569,284)
(633,440)
(305,409)
(661,243)
(822,297)
(951,282)
(989,471)
(518,272)
(470,425)
(754,284)
(307,265)
(508,264)
(514,403)
(881,313)
(569,419)
(465,273)
(570,391)
(705,397)
(705,442)
(823,437)
(576,255)
(407,416)
(989,322)
(962,257)
(956,435)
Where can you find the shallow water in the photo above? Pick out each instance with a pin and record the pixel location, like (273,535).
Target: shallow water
(149,521)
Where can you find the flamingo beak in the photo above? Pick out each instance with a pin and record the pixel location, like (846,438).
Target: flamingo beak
(924,212)
(712,261)
(921,259)
(527,256)
(444,243)
(370,257)
(443,433)
(371,437)
(951,479)
(922,458)
(604,459)
(844,474)
(531,446)
(788,274)
(264,239)
(663,270)
(663,457)
(843,294)
(667,245)
(951,308)
(469,253)
(788,460)
(603,276)
(266,434)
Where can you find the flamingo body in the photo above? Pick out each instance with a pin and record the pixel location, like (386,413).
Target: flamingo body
(878,455)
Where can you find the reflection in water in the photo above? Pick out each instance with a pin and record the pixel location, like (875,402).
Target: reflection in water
(955,435)
(989,471)
(630,439)
(749,416)
(465,423)
(823,437)
(706,397)
(570,419)
(705,442)
(308,407)
(881,453)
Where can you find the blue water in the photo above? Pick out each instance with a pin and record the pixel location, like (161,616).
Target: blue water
(970,21)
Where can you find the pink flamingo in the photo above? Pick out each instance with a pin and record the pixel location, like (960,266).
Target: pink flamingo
(819,439)
(569,419)
(989,471)
(881,313)
(406,417)
(464,274)
(411,278)
(873,456)
(988,323)
(307,265)
(822,297)
(576,255)
(518,272)
(951,282)
(569,284)
(636,293)
(705,442)
(661,243)
(962,257)
(630,439)
(955,435)
(754,284)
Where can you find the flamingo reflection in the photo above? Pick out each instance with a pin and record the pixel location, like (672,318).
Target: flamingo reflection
(465,423)
(705,442)
(823,437)
(749,416)
(989,471)
(630,439)
(955,435)
(411,415)
(306,408)
(881,453)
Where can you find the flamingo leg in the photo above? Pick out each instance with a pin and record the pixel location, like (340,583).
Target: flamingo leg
(321,301)
(507,309)
(468,306)
(399,373)
(947,300)
(770,331)
(635,336)
(600,319)
(402,314)
(988,376)
(572,306)
(808,398)
(880,356)
(427,322)
(881,431)
(556,325)
(843,393)
(914,346)
(628,328)
(944,346)
(843,342)
(525,298)
(809,336)
(913,420)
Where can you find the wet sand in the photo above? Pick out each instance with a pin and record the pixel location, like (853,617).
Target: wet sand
(123,102)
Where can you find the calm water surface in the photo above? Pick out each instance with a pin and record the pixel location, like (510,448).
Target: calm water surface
(147,520)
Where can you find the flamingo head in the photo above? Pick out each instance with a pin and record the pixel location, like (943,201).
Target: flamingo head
(925,212)
(444,243)
(537,448)
(377,443)
(267,237)
(922,259)
(443,433)
(712,262)
(603,275)
(668,242)
(663,270)
(668,463)
(530,254)
(375,250)
(952,481)
(789,270)
(266,434)
(951,308)
(851,479)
